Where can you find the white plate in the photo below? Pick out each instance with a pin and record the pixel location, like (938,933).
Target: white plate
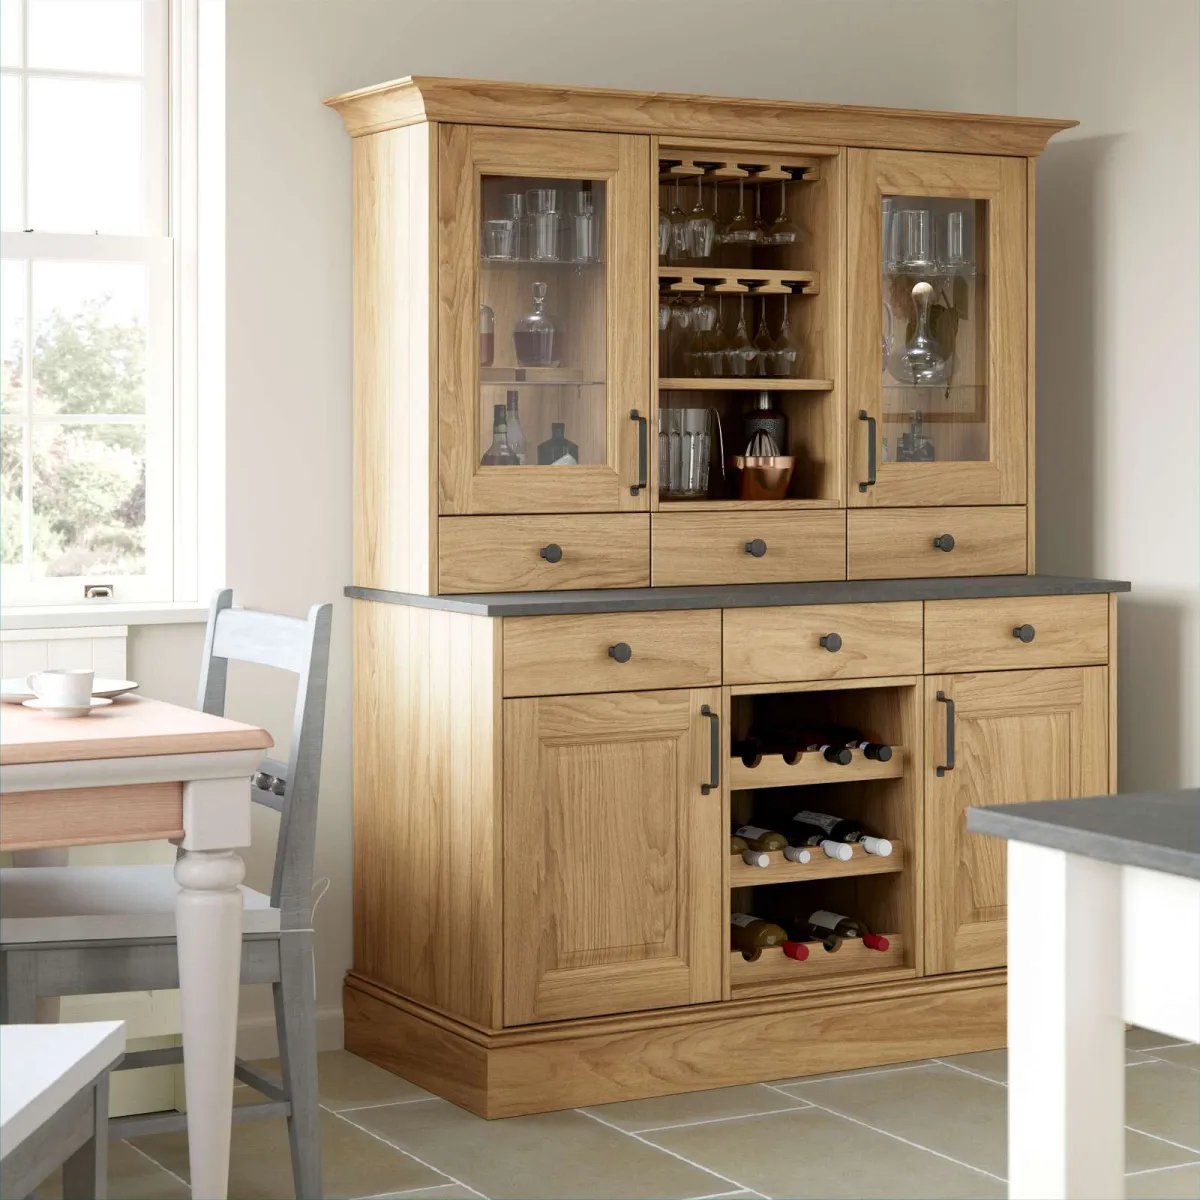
(14,691)
(67,710)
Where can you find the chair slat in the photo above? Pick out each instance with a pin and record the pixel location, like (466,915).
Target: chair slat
(271,639)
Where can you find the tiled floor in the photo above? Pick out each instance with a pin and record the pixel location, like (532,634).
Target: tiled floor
(934,1128)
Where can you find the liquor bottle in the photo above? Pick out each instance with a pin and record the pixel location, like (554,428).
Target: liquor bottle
(556,451)
(750,934)
(500,453)
(516,435)
(752,858)
(858,739)
(826,827)
(832,929)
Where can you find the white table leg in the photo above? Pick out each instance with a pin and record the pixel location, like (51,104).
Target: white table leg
(1066,1036)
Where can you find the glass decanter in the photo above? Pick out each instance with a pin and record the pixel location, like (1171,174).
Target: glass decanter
(920,362)
(537,337)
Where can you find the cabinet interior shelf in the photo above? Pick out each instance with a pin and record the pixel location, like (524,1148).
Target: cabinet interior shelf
(728,170)
(758,281)
(812,768)
(774,971)
(780,870)
(537,377)
(738,383)
(528,264)
(745,505)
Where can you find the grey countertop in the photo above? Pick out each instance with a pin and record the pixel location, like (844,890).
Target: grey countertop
(744,595)
(1156,830)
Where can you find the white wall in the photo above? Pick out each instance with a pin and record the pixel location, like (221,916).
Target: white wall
(1117,320)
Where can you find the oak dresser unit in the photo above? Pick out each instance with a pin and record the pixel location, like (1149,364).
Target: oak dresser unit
(676,419)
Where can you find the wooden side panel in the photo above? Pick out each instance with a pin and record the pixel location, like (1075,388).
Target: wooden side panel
(395,354)
(1031,363)
(898,543)
(1112,694)
(426,806)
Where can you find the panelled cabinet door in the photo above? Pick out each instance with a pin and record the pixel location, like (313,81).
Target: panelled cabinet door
(544,320)
(936,328)
(1017,735)
(612,855)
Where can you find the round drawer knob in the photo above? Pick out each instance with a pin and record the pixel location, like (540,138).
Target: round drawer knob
(621,652)
(944,542)
(757,547)
(831,642)
(551,553)
(1025,633)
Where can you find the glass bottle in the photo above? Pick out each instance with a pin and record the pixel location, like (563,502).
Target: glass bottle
(487,336)
(921,362)
(499,453)
(557,451)
(537,338)
(516,435)
(750,934)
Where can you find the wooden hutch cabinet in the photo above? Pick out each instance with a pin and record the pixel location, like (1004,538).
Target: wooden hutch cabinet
(678,419)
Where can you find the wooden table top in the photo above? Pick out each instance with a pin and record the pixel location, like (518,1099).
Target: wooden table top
(131,727)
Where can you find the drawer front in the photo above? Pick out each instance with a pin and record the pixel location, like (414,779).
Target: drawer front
(1023,631)
(747,547)
(784,645)
(903,543)
(611,652)
(534,554)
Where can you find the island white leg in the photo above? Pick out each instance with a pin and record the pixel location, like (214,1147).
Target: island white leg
(1066,1036)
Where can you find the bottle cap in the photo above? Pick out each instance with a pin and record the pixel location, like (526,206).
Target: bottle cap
(844,757)
(556,428)
(796,950)
(756,858)
(875,941)
(877,846)
(884,754)
(842,851)
(510,397)
(499,414)
(797,854)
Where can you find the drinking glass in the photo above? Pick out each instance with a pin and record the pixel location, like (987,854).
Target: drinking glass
(664,337)
(786,360)
(500,239)
(916,227)
(512,205)
(664,235)
(783,231)
(952,251)
(701,228)
(764,344)
(702,351)
(542,200)
(740,353)
(741,229)
(585,228)
(679,237)
(891,235)
(680,331)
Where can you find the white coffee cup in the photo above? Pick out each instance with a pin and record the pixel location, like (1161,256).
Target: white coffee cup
(70,688)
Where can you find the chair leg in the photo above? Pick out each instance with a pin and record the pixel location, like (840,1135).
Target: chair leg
(296,1025)
(85,1173)
(18,988)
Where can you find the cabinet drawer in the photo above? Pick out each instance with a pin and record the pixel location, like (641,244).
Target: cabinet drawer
(987,635)
(533,554)
(747,547)
(611,652)
(783,645)
(899,543)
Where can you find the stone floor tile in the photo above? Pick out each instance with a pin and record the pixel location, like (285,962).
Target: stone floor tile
(131,1176)
(1174,1182)
(715,1105)
(1163,1099)
(345,1081)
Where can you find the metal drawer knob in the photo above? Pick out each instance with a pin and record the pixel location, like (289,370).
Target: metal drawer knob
(944,542)
(1026,633)
(551,553)
(757,547)
(621,652)
(832,642)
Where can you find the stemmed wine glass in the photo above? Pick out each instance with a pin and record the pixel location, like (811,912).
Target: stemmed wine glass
(783,231)
(740,353)
(701,228)
(704,323)
(664,235)
(764,344)
(741,230)
(760,222)
(679,236)
(786,359)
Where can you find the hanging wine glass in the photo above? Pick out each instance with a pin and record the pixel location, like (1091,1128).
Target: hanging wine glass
(718,342)
(679,237)
(664,336)
(664,235)
(764,344)
(741,230)
(681,334)
(786,360)
(704,322)
(701,228)
(740,354)
(783,230)
(760,222)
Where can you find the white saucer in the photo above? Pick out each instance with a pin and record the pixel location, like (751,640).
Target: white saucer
(14,691)
(67,710)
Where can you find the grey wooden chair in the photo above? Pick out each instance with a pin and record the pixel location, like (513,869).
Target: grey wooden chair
(67,931)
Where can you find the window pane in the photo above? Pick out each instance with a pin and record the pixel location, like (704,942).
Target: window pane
(10,152)
(86,35)
(85,156)
(10,33)
(11,438)
(89,500)
(12,336)
(89,339)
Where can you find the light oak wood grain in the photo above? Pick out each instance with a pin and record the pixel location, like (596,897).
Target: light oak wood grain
(812,768)
(1031,364)
(1019,735)
(91,816)
(898,543)
(852,962)
(1112,694)
(132,727)
(788,123)
(561,655)
(780,870)
(977,635)
(503,554)
(784,644)
(710,547)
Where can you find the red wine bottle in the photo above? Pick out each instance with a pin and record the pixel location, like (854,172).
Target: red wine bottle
(813,828)
(832,929)
(857,739)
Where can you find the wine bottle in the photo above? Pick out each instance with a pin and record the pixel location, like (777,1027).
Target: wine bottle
(841,851)
(500,453)
(816,827)
(832,929)
(750,934)
(752,858)
(796,950)
(749,750)
(516,435)
(758,838)
(858,739)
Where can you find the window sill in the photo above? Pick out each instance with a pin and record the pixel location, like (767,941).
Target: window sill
(98,613)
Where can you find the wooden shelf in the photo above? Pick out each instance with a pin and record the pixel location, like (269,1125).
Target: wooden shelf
(756,281)
(751,383)
(537,377)
(780,870)
(851,962)
(753,167)
(813,768)
(744,505)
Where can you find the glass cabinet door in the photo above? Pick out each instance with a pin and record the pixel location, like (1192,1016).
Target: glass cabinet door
(937,339)
(544,311)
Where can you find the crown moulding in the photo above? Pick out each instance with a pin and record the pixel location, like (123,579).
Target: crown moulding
(414,99)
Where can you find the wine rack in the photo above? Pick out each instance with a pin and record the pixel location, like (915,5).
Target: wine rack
(820,866)
(773,971)
(811,768)
(739,281)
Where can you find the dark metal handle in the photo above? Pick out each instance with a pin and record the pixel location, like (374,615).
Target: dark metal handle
(1025,632)
(551,553)
(949,765)
(944,542)
(621,652)
(714,780)
(643,451)
(832,642)
(863,415)
(757,547)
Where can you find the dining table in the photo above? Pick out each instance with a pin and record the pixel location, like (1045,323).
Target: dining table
(143,770)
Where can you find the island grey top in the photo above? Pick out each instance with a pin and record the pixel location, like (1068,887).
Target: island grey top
(1156,830)
(743,595)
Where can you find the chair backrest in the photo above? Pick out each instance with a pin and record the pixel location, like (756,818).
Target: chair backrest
(292,787)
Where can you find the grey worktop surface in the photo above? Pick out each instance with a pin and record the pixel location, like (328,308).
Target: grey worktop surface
(744,595)
(1156,830)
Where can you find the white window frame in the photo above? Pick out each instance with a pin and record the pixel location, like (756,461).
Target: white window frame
(184,81)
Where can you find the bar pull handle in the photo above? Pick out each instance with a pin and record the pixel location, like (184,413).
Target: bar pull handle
(863,415)
(643,451)
(714,780)
(949,764)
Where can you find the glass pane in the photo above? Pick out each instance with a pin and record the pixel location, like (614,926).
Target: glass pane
(86,35)
(88,491)
(11,477)
(10,33)
(935,329)
(542,323)
(10,153)
(85,156)
(89,337)
(12,336)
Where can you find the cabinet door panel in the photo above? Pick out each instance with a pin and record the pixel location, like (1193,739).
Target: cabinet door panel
(612,886)
(1018,735)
